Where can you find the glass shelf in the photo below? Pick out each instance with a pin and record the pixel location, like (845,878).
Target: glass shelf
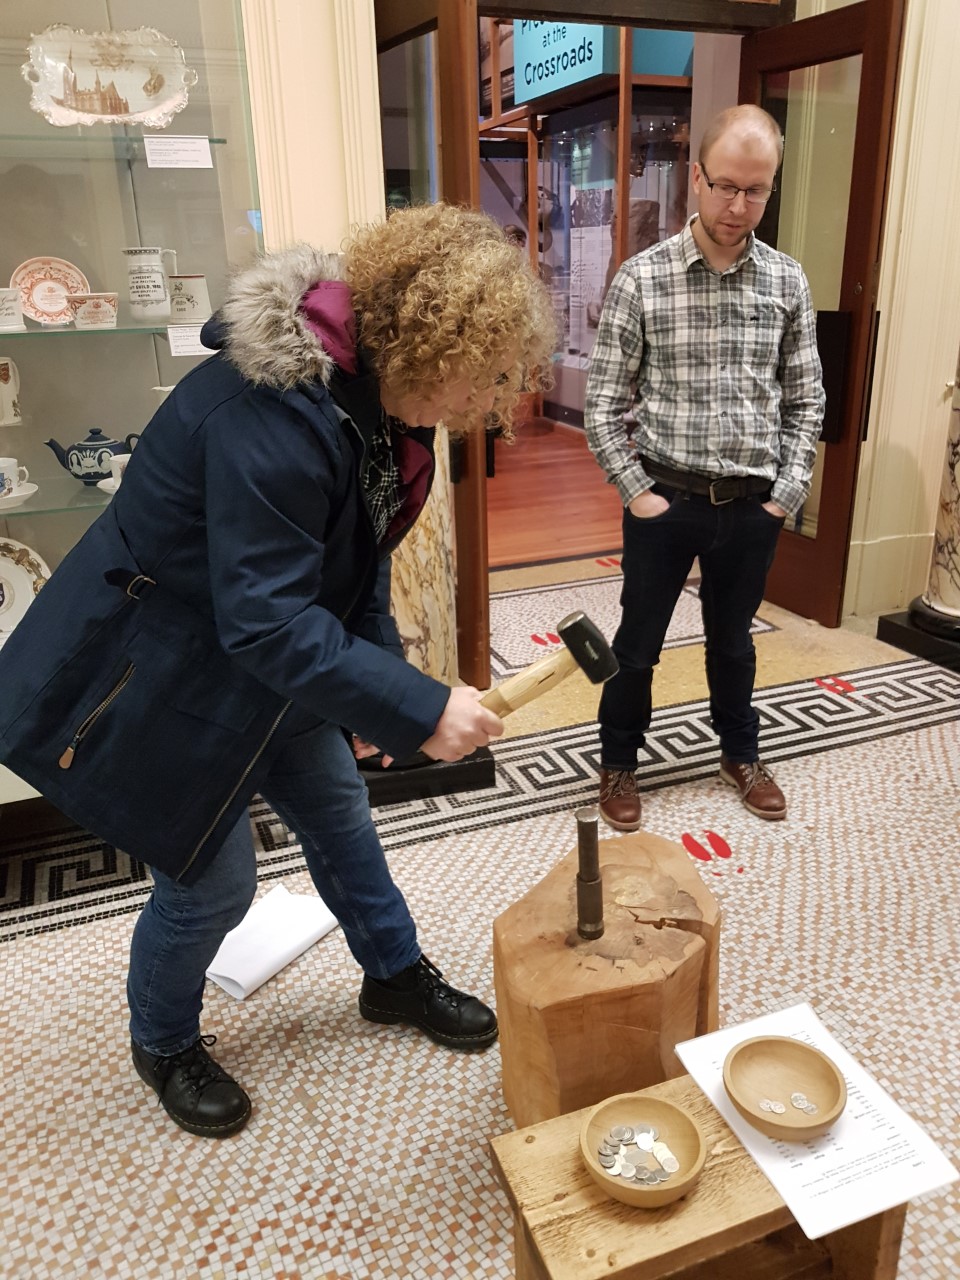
(58,493)
(103,146)
(49,330)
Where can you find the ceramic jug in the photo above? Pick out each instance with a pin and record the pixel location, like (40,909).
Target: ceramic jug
(89,460)
(9,393)
(147,283)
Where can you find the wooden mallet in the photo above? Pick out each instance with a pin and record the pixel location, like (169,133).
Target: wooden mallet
(584,648)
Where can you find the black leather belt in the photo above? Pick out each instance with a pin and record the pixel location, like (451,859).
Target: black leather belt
(720,491)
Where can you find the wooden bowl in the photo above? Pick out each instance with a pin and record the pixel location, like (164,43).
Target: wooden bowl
(675,1127)
(774,1069)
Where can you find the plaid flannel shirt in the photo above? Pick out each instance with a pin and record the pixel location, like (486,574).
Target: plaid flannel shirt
(719,371)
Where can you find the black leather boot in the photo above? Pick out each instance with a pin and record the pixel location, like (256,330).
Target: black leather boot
(195,1092)
(420,997)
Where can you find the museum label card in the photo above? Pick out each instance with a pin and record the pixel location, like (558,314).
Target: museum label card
(873,1158)
(184,340)
(181,151)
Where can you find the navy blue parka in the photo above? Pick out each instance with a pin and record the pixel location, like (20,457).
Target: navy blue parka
(231,595)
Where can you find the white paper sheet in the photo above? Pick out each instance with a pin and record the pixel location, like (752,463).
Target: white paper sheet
(184,340)
(873,1158)
(177,151)
(278,927)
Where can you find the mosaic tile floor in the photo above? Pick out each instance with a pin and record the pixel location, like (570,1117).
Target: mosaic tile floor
(366,1156)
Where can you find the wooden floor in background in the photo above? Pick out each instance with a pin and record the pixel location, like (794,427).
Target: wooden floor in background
(548,499)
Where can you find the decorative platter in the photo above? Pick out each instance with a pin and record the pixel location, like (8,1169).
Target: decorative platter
(19,495)
(107,77)
(44,284)
(22,574)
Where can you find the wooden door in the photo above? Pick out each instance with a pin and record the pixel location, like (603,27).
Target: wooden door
(830,80)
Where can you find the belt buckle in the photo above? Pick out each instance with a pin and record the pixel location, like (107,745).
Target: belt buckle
(714,500)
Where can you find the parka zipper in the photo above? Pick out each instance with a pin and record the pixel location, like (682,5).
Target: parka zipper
(66,760)
(239,783)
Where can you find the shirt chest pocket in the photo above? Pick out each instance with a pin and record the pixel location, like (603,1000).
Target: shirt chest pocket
(763,323)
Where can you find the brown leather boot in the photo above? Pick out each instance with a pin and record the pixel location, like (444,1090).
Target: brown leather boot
(620,799)
(758,791)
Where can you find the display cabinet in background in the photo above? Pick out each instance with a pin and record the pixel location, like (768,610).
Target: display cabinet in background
(125,127)
(551,107)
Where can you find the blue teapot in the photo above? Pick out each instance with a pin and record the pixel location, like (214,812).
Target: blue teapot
(89,460)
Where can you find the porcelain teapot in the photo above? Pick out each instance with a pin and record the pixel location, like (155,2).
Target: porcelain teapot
(89,460)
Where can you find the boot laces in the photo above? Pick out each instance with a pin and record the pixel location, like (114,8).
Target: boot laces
(620,782)
(431,980)
(197,1065)
(758,773)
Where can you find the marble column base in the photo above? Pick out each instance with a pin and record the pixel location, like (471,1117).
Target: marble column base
(900,630)
(934,620)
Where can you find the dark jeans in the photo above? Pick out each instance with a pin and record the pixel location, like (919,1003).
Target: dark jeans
(315,788)
(735,544)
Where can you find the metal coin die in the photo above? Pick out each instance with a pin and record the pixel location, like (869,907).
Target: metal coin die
(635,1154)
(798,1100)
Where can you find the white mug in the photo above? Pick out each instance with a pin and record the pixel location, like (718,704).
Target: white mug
(147,285)
(11,476)
(11,311)
(9,393)
(118,465)
(189,299)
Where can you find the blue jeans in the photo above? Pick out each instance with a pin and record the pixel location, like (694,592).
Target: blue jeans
(735,544)
(315,788)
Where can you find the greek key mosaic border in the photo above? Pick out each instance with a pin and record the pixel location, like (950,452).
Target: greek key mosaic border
(71,878)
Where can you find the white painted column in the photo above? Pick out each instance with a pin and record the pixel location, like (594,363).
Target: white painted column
(312,67)
(943,589)
(899,487)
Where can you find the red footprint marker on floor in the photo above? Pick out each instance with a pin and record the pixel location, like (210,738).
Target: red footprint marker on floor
(718,848)
(833,684)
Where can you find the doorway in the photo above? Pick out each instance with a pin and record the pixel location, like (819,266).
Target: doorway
(830,80)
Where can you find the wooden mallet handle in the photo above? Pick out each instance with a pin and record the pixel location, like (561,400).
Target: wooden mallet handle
(529,683)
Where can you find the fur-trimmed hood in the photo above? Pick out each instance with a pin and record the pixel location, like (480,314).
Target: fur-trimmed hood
(287,319)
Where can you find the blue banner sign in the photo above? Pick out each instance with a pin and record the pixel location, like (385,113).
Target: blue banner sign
(552,55)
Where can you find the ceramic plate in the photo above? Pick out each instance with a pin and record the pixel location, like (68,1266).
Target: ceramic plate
(44,284)
(20,494)
(108,486)
(136,76)
(22,574)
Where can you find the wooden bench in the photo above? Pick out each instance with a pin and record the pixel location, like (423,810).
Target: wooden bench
(732,1226)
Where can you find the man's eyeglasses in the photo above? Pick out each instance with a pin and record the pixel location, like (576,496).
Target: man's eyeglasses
(727,191)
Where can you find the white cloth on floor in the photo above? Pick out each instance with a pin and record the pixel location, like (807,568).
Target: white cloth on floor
(278,927)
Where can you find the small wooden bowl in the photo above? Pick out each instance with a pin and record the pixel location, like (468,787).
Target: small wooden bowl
(675,1127)
(773,1068)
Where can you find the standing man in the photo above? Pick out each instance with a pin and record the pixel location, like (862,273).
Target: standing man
(707,341)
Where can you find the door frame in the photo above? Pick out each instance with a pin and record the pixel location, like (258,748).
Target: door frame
(808,575)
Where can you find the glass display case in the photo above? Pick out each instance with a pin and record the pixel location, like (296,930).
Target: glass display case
(125,125)
(577,210)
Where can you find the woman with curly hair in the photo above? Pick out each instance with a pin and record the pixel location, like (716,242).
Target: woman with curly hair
(223,629)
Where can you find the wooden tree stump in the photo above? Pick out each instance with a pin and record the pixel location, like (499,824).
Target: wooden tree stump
(582,1020)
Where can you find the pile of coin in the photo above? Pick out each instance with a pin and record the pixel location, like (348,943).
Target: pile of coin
(799,1100)
(635,1153)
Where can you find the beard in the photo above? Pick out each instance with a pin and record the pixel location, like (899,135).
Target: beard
(723,236)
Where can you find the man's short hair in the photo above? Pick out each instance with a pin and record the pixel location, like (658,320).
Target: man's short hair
(754,118)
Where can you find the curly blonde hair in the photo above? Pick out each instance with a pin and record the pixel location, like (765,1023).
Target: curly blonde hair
(441,294)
